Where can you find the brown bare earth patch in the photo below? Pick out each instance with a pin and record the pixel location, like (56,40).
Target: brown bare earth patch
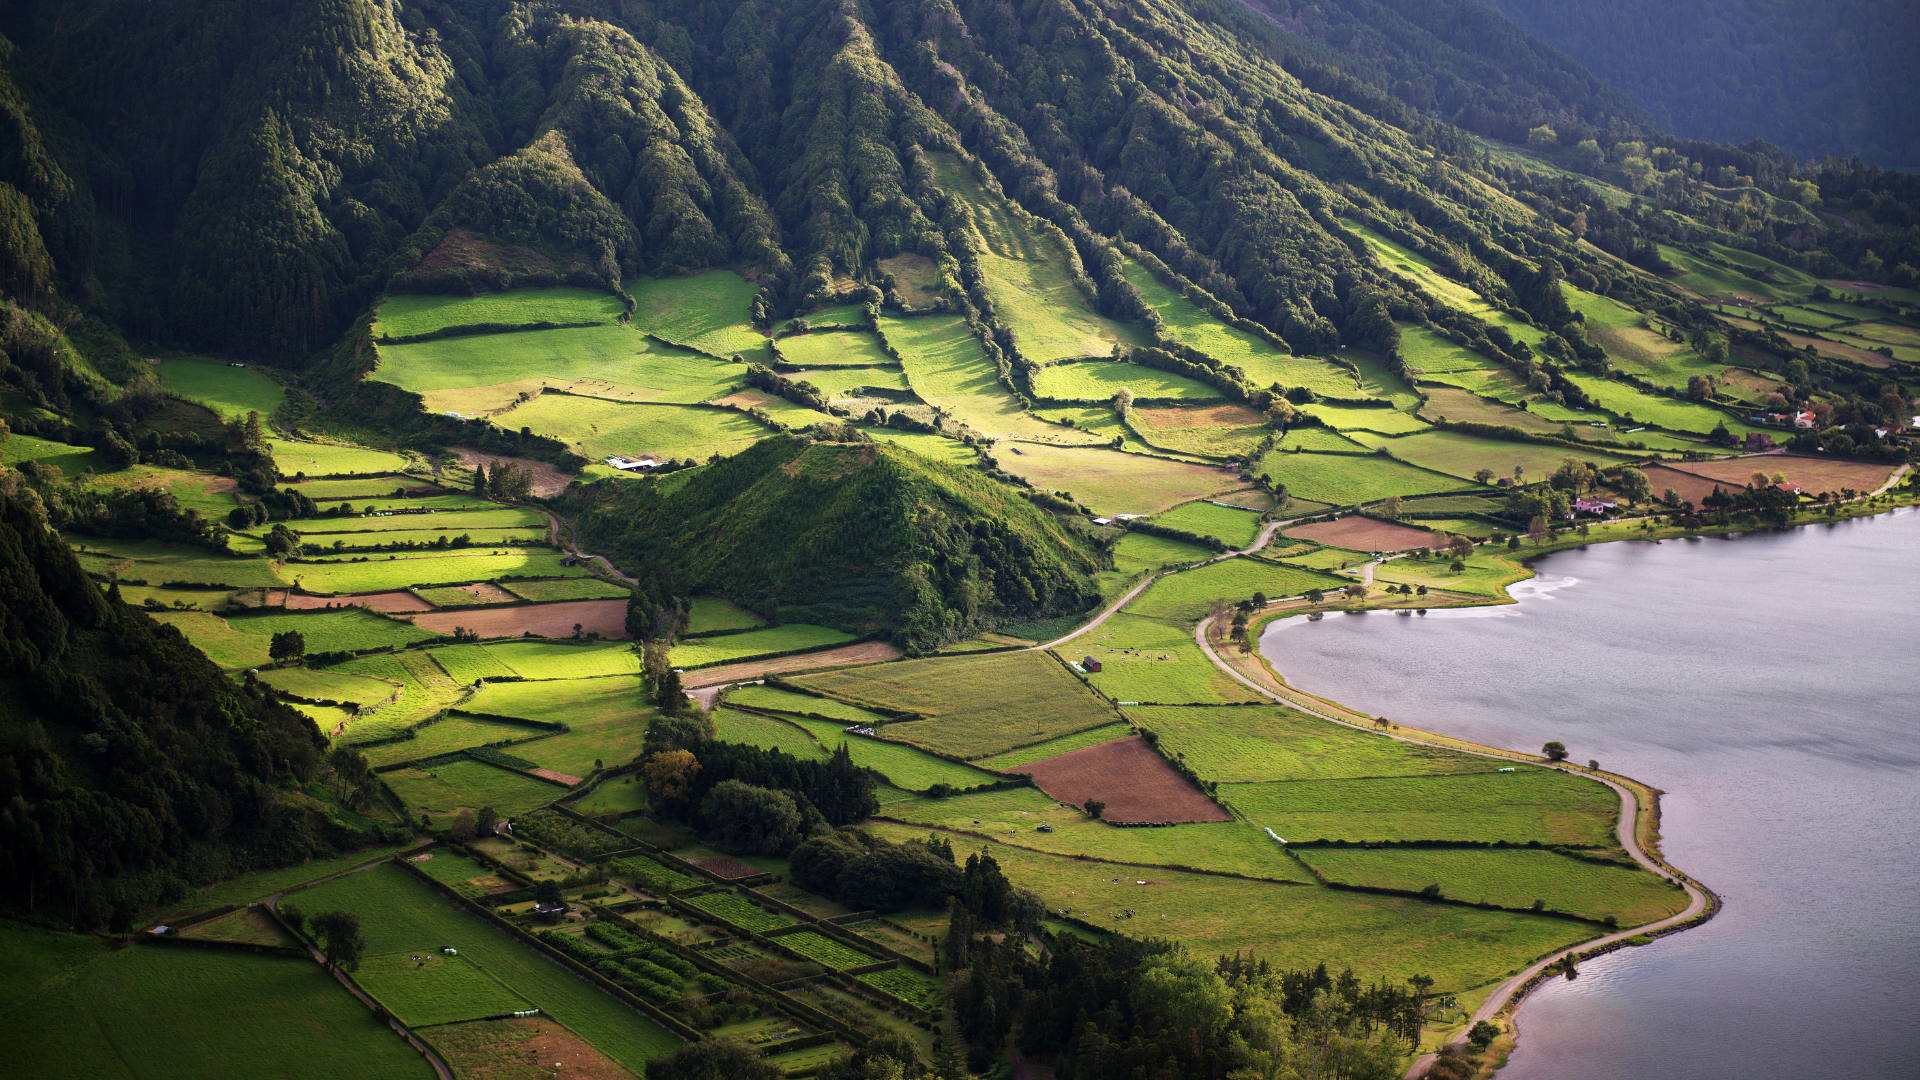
(1693,489)
(1466,406)
(487,593)
(556,776)
(744,400)
(1252,498)
(728,869)
(1813,475)
(464,249)
(513,1049)
(607,617)
(1358,533)
(1199,416)
(1135,783)
(379,601)
(547,480)
(867,652)
(917,275)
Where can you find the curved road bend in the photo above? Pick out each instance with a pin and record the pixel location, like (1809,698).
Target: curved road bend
(1623,829)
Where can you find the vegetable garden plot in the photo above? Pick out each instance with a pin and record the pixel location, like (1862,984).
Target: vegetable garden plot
(739,912)
(826,950)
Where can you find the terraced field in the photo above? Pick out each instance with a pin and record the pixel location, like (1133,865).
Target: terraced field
(1111,481)
(708,311)
(1345,480)
(1100,380)
(945,367)
(404,316)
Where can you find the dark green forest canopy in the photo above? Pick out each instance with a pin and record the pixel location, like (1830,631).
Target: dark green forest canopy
(868,537)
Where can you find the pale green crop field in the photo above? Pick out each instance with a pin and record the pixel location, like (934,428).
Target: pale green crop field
(329,685)
(583,588)
(576,702)
(1066,744)
(839,348)
(903,766)
(709,613)
(1100,380)
(552,660)
(1624,401)
(1188,595)
(839,382)
(1256,743)
(1319,440)
(1111,481)
(1150,659)
(612,353)
(404,316)
(698,652)
(454,522)
(327,459)
(230,391)
(1220,430)
(1434,354)
(157,562)
(1137,552)
(598,429)
(945,367)
(709,311)
(1237,528)
(1345,418)
(1460,454)
(70,460)
(380,573)
(1510,879)
(1345,480)
(767,733)
(773,697)
(837,315)
(1527,805)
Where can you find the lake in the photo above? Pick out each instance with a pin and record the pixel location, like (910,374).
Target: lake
(1768,685)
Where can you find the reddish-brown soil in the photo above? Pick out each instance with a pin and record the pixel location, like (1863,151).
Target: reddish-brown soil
(1135,783)
(1199,416)
(1358,533)
(1814,475)
(728,869)
(488,593)
(608,617)
(547,480)
(867,652)
(556,777)
(1693,489)
(530,1046)
(379,601)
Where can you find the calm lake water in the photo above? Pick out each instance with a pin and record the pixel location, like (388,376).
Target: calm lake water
(1768,685)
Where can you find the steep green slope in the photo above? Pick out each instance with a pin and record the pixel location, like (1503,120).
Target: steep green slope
(866,537)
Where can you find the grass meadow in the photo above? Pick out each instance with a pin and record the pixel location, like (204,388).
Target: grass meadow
(1065,744)
(1137,552)
(1527,805)
(1457,453)
(1257,743)
(773,697)
(1511,879)
(1625,402)
(329,684)
(1237,528)
(767,733)
(404,316)
(1212,431)
(849,382)
(946,368)
(1262,363)
(581,588)
(696,652)
(575,702)
(1345,480)
(977,706)
(230,391)
(446,736)
(1111,481)
(1148,659)
(1188,595)
(331,459)
(709,613)
(468,664)
(435,989)
(1318,440)
(612,739)
(470,785)
(399,913)
(838,349)
(708,311)
(1487,573)
(380,574)
(1345,418)
(553,660)
(903,766)
(614,354)
(157,1014)
(597,429)
(1099,380)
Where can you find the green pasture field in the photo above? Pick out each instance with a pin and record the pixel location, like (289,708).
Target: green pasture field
(471,785)
(839,349)
(330,459)
(261,883)
(1800,316)
(1344,418)
(1460,454)
(448,735)
(1603,313)
(157,562)
(331,631)
(1433,353)
(738,911)
(575,702)
(1186,596)
(615,797)
(212,496)
(1318,440)
(580,588)
(1325,558)
(328,718)
(404,316)
(1236,434)
(1880,339)
(485,538)
(848,382)
(1146,659)
(977,705)
(400,913)
(329,684)
(230,391)
(1099,380)
(379,573)
(423,686)
(1255,743)
(826,950)
(1465,406)
(1714,280)
(436,989)
(551,660)
(1652,355)
(1510,879)
(1094,420)
(709,311)
(609,740)
(1488,573)
(1624,401)
(1454,504)
(772,697)
(1237,528)
(212,635)
(773,639)
(903,766)
(1136,552)
(599,429)
(1113,482)
(1345,480)
(246,925)
(1288,925)
(1066,744)
(468,664)
(1377,379)
(1475,528)
(82,1012)
(452,596)
(1013,817)
(752,729)
(709,613)
(393,508)
(1410,264)
(616,354)
(837,315)
(359,487)
(1262,364)
(1529,804)
(452,522)
(945,366)
(1027,276)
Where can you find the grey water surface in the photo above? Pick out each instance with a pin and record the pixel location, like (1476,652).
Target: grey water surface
(1769,685)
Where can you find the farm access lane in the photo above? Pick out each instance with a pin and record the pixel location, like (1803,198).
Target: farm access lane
(1624,829)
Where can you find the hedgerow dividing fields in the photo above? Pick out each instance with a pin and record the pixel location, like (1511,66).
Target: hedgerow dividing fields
(789,637)
(1150,659)
(752,729)
(1345,480)
(404,316)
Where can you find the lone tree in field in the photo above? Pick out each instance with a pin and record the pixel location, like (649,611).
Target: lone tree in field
(1391,508)
(1094,807)
(287,645)
(1122,402)
(1483,476)
(1555,751)
(340,931)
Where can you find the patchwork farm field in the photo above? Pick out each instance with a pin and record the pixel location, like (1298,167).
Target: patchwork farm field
(709,613)
(604,741)
(1344,418)
(708,311)
(1460,454)
(1136,783)
(163,1013)
(448,735)
(1147,659)
(752,729)
(1527,805)
(399,914)
(1012,760)
(1345,480)
(698,652)
(839,349)
(424,986)
(1187,595)
(1100,380)
(1113,482)
(579,702)
(470,785)
(772,697)
(903,766)
(945,367)
(1237,528)
(976,706)
(544,660)
(604,617)
(598,429)
(580,588)
(157,562)
(1264,364)
(1356,533)
(1509,879)
(1207,430)
(328,459)
(1254,743)
(230,391)
(1137,552)
(380,572)
(404,316)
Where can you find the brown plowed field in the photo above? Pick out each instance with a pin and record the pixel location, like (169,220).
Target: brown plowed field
(1135,783)
(1814,475)
(556,777)
(379,601)
(728,869)
(547,480)
(867,652)
(609,617)
(1358,533)
(1692,488)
